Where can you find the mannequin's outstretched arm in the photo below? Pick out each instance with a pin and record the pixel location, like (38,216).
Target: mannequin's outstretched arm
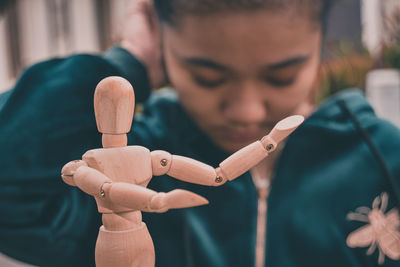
(193,171)
(132,196)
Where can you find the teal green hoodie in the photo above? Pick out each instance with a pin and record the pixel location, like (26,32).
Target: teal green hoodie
(341,158)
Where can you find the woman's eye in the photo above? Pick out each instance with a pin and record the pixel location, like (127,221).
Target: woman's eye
(208,83)
(280,82)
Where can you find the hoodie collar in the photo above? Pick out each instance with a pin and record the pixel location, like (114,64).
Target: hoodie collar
(331,110)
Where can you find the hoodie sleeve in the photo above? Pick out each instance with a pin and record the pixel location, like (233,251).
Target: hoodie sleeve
(47,120)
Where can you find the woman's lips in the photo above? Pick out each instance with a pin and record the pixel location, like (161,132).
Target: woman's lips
(240,135)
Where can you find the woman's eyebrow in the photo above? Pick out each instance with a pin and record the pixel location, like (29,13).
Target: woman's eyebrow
(201,62)
(288,63)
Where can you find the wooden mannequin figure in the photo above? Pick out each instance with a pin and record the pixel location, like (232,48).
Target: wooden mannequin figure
(117,176)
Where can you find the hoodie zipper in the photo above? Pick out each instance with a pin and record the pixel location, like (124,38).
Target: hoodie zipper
(261,180)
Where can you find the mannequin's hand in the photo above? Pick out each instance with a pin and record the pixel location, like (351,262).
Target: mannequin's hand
(69,169)
(141,37)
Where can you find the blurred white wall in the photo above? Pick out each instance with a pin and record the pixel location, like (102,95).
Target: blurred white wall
(35,30)
(375,15)
(372,25)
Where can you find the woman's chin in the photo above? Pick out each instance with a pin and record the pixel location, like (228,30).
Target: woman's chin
(230,146)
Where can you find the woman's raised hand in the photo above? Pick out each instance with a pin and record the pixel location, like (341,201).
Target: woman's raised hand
(141,36)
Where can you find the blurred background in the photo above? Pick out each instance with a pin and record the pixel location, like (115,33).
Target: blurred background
(35,30)
(362,34)
(362,44)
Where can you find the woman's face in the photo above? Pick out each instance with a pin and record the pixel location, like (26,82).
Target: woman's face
(237,74)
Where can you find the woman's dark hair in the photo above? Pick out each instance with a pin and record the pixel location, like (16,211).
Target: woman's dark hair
(170,11)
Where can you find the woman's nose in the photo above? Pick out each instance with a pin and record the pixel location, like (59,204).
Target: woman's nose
(245,105)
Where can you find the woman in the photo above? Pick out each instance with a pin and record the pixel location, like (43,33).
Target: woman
(237,67)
